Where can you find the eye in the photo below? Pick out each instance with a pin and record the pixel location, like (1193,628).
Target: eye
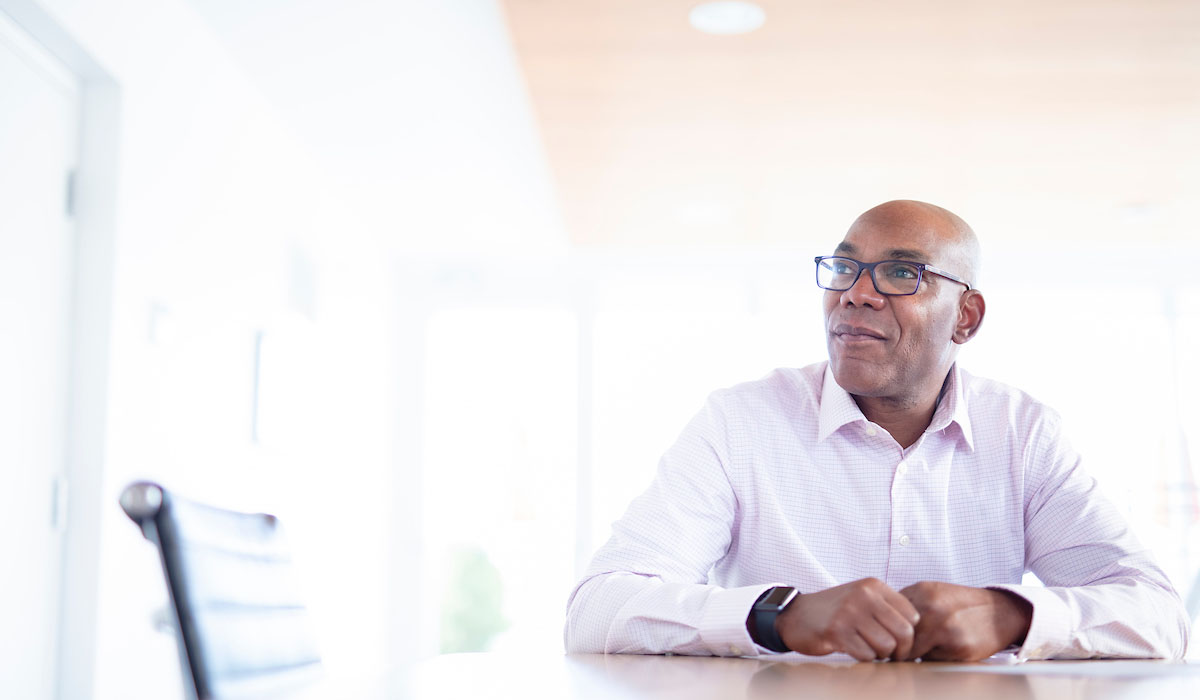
(902,271)
(841,267)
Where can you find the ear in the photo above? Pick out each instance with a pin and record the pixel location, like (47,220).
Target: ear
(971,308)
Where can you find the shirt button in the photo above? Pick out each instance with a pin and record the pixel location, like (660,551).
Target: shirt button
(871,431)
(904,540)
(735,650)
(902,468)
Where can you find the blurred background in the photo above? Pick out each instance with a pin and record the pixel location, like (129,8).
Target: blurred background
(437,282)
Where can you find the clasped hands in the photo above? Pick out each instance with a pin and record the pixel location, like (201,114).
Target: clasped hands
(929,620)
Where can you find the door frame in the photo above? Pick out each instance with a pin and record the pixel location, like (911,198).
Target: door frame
(95,190)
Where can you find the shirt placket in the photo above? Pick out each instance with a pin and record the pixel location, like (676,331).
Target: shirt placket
(905,545)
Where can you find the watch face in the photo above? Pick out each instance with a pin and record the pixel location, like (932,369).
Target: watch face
(778,596)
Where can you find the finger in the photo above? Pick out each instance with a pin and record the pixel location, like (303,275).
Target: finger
(901,617)
(938,654)
(880,639)
(901,603)
(900,630)
(925,638)
(858,647)
(956,650)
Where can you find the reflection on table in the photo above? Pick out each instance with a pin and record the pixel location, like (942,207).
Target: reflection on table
(598,677)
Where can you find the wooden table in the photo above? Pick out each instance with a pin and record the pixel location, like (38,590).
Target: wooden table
(599,677)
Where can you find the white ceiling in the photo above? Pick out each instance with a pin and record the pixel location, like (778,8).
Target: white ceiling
(1034,119)
(1071,118)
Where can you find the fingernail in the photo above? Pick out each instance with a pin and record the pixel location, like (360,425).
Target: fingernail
(916,618)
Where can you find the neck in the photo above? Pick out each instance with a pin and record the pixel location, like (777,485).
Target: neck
(904,418)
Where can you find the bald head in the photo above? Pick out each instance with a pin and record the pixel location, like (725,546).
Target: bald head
(952,239)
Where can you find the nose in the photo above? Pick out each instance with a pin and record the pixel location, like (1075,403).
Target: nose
(863,293)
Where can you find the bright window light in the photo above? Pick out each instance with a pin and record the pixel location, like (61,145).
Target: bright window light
(727,17)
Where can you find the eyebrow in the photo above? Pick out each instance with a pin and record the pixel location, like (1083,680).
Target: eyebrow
(893,254)
(906,254)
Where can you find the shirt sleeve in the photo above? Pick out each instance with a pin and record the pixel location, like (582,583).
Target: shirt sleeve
(646,590)
(1104,596)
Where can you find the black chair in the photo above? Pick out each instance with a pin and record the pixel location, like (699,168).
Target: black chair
(240,623)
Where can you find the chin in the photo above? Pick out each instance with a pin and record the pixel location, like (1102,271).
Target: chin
(855,383)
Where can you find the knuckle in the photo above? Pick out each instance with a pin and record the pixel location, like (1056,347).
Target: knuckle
(848,610)
(825,633)
(938,606)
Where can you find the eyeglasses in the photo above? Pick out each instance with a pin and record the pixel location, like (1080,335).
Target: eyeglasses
(890,277)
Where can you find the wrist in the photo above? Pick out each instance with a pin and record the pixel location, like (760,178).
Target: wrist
(1016,614)
(764,614)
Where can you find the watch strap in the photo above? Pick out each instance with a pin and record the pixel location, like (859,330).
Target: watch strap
(765,633)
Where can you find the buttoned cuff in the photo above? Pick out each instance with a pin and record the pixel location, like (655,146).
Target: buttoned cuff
(1050,627)
(723,624)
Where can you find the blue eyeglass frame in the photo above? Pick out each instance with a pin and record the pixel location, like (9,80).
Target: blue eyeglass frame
(921,269)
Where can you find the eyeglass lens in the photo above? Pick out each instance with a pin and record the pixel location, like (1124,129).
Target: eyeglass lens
(890,277)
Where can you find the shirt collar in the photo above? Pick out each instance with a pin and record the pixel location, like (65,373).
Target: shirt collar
(838,408)
(952,409)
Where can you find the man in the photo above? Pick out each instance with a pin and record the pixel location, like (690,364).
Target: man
(901,497)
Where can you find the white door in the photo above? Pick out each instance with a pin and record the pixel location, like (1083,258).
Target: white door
(39,113)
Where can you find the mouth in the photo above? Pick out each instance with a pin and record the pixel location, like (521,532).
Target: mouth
(856,334)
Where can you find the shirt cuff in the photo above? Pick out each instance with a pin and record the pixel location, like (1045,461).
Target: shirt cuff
(723,624)
(1050,628)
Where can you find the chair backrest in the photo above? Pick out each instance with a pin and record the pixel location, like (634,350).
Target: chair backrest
(241,625)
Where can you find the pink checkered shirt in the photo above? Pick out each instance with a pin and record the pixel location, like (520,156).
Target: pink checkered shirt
(783,481)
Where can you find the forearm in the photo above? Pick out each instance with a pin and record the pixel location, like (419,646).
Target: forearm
(626,613)
(1104,594)
(1130,618)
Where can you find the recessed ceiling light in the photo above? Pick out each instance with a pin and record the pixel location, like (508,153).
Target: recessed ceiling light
(727,17)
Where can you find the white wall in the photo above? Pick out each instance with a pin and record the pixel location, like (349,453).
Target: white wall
(238,218)
(418,108)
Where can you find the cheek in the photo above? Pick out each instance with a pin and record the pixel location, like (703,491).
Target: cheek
(829,301)
(923,334)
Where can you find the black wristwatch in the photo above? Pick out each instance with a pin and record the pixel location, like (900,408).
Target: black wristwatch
(763,614)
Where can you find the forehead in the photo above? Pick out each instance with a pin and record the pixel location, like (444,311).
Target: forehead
(894,240)
(867,255)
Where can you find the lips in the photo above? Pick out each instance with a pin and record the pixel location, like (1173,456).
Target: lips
(845,331)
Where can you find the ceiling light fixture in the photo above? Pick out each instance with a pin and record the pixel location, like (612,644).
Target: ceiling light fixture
(727,17)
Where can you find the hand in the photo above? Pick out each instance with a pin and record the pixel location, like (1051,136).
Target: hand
(865,619)
(960,623)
